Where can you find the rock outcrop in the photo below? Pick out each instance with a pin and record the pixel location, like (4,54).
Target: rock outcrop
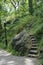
(21,42)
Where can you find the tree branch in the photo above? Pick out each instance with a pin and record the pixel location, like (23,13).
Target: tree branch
(13,3)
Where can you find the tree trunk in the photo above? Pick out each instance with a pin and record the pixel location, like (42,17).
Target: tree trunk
(0,28)
(30,7)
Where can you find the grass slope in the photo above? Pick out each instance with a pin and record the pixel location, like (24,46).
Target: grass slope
(35,28)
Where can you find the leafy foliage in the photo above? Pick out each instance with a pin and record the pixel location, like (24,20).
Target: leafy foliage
(18,15)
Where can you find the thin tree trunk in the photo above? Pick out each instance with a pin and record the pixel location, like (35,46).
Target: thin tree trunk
(30,6)
(0,28)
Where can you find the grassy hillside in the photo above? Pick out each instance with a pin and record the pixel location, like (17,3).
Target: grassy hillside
(32,24)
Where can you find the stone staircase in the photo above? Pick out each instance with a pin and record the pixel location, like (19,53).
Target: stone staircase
(33,51)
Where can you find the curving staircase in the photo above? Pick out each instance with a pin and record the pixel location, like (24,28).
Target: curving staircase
(33,52)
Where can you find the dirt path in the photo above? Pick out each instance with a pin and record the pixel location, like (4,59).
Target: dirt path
(7,59)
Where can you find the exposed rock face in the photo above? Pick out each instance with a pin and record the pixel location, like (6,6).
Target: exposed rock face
(21,42)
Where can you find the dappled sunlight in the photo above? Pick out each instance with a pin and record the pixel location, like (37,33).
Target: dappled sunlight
(8,59)
(28,62)
(2,62)
(4,53)
(10,63)
(5,62)
(17,61)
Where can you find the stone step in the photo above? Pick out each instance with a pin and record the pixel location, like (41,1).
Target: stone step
(32,55)
(34,45)
(31,35)
(33,48)
(33,52)
(33,39)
